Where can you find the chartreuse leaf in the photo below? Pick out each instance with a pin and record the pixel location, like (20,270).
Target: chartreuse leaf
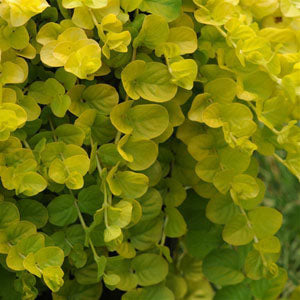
(9,214)
(30,183)
(145,121)
(150,81)
(221,209)
(185,38)
(78,3)
(149,268)
(127,184)
(269,245)
(140,154)
(53,93)
(200,103)
(266,221)
(184,73)
(25,246)
(175,226)
(53,277)
(129,5)
(19,15)
(16,232)
(166,8)
(175,194)
(84,61)
(151,203)
(244,187)
(102,97)
(237,231)
(70,134)
(120,214)
(222,90)
(154,31)
(222,267)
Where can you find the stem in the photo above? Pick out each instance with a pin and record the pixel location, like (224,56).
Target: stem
(52,129)
(105,206)
(81,219)
(26,144)
(255,238)
(248,223)
(93,17)
(282,161)
(261,120)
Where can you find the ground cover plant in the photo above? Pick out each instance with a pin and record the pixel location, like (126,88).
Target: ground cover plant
(130,132)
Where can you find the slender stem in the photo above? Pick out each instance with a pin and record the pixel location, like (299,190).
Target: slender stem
(93,17)
(255,238)
(52,129)
(26,144)
(248,223)
(81,219)
(105,206)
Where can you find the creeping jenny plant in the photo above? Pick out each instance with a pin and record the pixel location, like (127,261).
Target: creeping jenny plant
(129,131)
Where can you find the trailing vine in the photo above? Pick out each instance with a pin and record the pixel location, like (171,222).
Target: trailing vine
(129,136)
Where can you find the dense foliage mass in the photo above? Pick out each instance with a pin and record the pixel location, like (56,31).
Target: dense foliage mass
(129,131)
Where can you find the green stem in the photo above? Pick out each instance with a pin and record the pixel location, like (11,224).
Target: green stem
(81,219)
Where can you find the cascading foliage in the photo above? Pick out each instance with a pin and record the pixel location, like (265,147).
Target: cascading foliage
(129,131)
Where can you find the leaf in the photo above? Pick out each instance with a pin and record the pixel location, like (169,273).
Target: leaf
(148,120)
(31,183)
(33,211)
(90,199)
(139,154)
(154,31)
(120,214)
(102,97)
(185,38)
(269,288)
(170,9)
(244,187)
(49,257)
(53,277)
(266,221)
(149,268)
(151,203)
(237,231)
(175,225)
(150,81)
(9,214)
(60,105)
(222,90)
(145,121)
(221,267)
(200,242)
(221,209)
(85,61)
(111,233)
(175,194)
(184,73)
(127,184)
(62,210)
(70,134)
(234,292)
